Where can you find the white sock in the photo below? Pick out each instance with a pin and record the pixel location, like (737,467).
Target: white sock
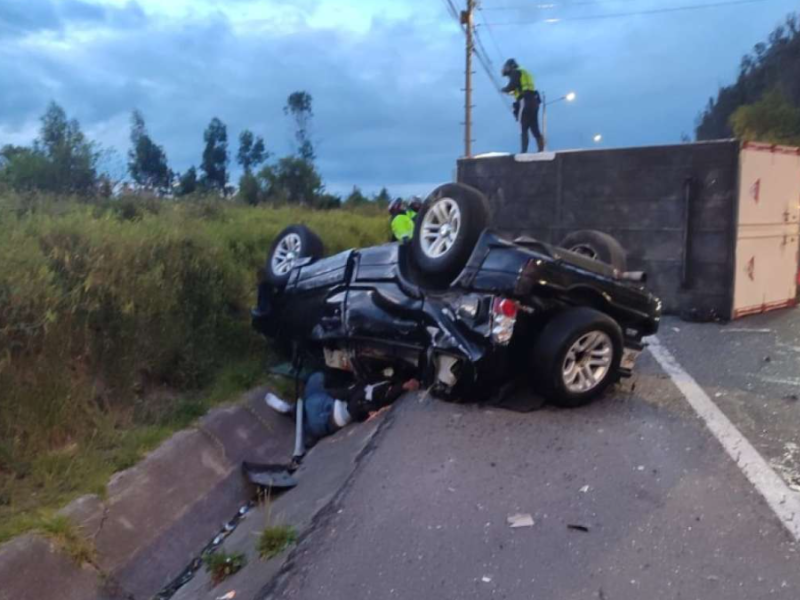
(341,416)
(277,404)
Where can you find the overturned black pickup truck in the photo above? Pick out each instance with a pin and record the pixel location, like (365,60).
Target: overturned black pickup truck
(467,309)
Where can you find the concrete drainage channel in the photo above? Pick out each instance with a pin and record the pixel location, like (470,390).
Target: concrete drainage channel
(187,497)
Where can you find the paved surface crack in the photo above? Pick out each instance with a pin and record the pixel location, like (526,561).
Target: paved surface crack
(322,517)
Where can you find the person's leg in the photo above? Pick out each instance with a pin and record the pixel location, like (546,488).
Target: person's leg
(534,123)
(525,140)
(523,123)
(315,384)
(317,416)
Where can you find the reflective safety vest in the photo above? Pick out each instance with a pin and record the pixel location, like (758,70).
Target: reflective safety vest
(403,226)
(525,84)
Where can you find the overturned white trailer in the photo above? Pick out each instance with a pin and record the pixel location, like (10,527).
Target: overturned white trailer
(716,225)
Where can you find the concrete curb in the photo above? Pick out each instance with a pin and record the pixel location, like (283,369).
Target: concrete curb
(157,514)
(323,477)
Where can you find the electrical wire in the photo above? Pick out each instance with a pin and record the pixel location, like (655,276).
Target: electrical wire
(629,14)
(500,53)
(521,7)
(452,9)
(479,50)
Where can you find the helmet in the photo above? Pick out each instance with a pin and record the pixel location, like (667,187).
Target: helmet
(396,207)
(510,66)
(415,204)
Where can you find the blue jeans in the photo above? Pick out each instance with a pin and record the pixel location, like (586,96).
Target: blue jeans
(318,409)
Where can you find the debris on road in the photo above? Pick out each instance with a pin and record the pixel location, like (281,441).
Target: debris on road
(486,579)
(585,489)
(582,528)
(269,476)
(229,596)
(520,520)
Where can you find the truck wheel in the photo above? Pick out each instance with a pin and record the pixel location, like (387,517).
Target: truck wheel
(291,244)
(447,229)
(577,356)
(597,246)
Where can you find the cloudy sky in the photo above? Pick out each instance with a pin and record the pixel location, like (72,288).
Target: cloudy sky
(386,75)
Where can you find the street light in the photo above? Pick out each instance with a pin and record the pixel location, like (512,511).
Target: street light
(568,97)
(597,138)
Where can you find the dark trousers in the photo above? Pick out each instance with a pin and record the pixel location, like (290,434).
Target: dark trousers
(529,121)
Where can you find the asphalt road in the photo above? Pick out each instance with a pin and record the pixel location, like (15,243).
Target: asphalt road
(666,512)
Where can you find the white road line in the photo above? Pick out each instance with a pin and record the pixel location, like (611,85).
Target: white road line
(784,502)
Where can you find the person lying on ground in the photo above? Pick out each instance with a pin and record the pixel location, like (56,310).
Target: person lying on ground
(329,407)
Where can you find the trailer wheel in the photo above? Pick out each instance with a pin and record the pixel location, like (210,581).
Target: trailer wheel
(577,356)
(447,229)
(597,246)
(291,244)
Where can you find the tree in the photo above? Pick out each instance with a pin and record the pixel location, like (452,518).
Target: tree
(382,199)
(356,198)
(70,161)
(251,151)
(299,106)
(23,169)
(772,119)
(293,180)
(771,65)
(147,162)
(215,156)
(61,160)
(188,183)
(249,189)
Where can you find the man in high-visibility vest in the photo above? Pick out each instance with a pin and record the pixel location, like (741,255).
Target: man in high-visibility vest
(526,102)
(403,219)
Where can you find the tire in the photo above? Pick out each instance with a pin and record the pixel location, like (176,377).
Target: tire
(562,335)
(297,240)
(465,212)
(598,246)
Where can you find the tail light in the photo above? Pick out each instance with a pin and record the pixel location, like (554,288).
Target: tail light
(504,317)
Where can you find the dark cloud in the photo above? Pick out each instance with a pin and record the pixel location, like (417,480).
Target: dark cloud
(388,103)
(23,17)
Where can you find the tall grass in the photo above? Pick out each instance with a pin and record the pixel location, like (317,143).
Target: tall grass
(110,314)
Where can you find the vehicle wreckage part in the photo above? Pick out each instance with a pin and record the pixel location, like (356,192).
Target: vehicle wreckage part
(504,312)
(292,244)
(337,359)
(597,246)
(269,476)
(577,356)
(450,224)
(445,373)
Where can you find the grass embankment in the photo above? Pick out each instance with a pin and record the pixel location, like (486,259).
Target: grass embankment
(121,323)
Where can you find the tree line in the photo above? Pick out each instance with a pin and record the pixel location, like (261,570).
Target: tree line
(763,104)
(63,161)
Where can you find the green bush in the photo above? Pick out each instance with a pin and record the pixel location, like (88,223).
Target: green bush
(109,312)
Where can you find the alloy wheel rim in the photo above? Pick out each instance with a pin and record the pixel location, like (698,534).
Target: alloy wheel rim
(587,362)
(440,228)
(286,254)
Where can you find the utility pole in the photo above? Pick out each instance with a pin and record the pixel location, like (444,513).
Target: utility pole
(466,21)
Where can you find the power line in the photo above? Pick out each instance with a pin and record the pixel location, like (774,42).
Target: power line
(451,9)
(491,34)
(480,52)
(630,14)
(553,5)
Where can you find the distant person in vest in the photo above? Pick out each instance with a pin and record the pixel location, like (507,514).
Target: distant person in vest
(526,102)
(402,218)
